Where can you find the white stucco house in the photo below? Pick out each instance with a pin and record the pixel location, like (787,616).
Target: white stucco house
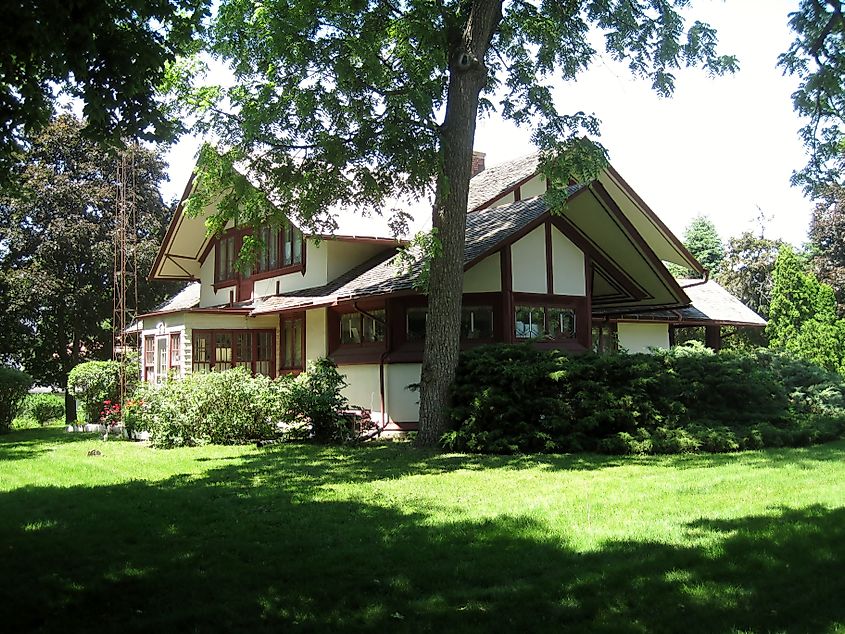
(590,276)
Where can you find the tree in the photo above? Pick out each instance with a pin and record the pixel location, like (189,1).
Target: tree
(358,103)
(827,240)
(56,253)
(702,240)
(803,314)
(112,55)
(817,56)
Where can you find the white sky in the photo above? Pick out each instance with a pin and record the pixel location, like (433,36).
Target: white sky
(724,147)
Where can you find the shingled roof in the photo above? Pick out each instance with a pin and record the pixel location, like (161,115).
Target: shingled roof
(485,231)
(491,182)
(711,303)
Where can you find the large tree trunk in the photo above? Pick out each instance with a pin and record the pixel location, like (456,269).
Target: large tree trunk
(467,76)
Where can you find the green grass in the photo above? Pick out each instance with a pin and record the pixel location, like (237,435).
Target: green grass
(390,538)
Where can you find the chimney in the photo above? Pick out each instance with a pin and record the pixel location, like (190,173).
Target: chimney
(477,162)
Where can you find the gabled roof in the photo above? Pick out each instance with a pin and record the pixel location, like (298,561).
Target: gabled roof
(711,304)
(491,183)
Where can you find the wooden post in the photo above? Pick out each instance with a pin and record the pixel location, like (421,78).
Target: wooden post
(713,337)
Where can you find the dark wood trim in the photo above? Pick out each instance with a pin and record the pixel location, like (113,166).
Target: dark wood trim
(507,294)
(206,251)
(659,268)
(508,190)
(325,237)
(171,228)
(602,259)
(580,304)
(211,333)
(518,235)
(667,233)
(283,317)
(517,194)
(550,284)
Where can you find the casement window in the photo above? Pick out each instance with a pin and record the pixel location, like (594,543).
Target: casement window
(476,323)
(281,248)
(218,350)
(225,258)
(293,342)
(356,328)
(546,322)
(175,351)
(415,318)
(149,358)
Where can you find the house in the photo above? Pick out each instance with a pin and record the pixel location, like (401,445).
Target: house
(592,276)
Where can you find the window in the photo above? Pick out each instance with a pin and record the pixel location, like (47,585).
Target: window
(530,322)
(605,338)
(415,323)
(292,334)
(477,322)
(225,259)
(268,259)
(149,358)
(534,322)
(356,328)
(293,246)
(224,349)
(175,351)
(161,359)
(202,352)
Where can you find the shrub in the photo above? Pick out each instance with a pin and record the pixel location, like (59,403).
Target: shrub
(518,398)
(45,407)
(95,382)
(314,398)
(14,386)
(227,407)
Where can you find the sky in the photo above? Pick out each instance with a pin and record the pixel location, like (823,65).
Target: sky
(723,147)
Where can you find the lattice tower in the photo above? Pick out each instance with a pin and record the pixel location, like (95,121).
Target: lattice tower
(125,281)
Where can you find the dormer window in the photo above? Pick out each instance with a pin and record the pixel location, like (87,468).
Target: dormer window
(281,249)
(227,253)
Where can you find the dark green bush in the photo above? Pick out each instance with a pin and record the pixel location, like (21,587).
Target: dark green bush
(518,398)
(14,386)
(45,407)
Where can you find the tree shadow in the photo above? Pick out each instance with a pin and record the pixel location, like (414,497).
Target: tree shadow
(260,544)
(23,444)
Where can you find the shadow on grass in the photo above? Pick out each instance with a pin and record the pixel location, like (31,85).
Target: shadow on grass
(257,545)
(23,444)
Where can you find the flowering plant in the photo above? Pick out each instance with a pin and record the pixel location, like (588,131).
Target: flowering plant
(110,414)
(133,414)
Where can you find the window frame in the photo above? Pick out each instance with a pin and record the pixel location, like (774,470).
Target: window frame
(294,368)
(148,357)
(281,235)
(211,335)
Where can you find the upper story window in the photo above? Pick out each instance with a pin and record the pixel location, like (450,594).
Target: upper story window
(282,247)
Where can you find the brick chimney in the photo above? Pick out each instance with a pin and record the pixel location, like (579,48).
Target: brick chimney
(477,162)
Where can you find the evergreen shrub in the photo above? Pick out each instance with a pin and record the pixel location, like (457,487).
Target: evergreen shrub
(95,382)
(517,398)
(14,386)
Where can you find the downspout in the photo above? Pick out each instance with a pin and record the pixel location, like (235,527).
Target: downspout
(384,417)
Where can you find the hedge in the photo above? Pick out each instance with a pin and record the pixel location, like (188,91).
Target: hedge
(516,398)
(14,386)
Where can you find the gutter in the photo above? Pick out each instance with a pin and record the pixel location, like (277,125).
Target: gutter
(382,358)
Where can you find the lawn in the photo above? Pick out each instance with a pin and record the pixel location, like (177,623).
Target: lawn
(390,538)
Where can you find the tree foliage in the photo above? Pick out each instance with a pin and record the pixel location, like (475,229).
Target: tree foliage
(112,55)
(747,270)
(702,240)
(362,103)
(817,57)
(802,316)
(56,249)
(827,240)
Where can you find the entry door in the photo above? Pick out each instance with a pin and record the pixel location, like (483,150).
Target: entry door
(161,359)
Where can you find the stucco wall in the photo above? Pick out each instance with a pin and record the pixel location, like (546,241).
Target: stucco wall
(568,271)
(528,262)
(363,388)
(504,200)
(316,345)
(484,277)
(637,337)
(344,255)
(534,187)
(402,404)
